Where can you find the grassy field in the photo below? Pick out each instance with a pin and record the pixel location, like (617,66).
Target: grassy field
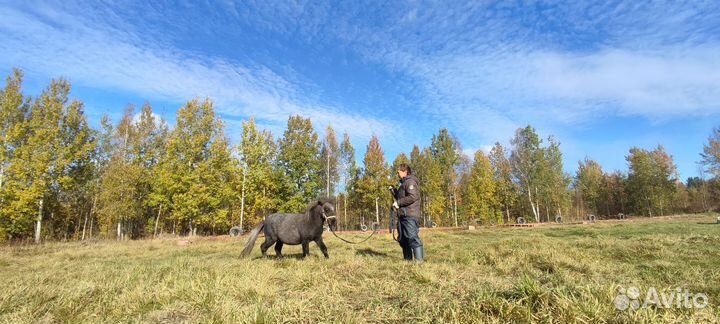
(550,274)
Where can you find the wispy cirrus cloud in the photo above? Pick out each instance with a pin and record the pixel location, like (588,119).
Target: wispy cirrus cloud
(401,70)
(662,83)
(568,88)
(93,53)
(488,68)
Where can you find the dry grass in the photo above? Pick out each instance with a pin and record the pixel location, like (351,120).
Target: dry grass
(551,274)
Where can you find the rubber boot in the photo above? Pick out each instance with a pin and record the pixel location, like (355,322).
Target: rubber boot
(418,253)
(407,253)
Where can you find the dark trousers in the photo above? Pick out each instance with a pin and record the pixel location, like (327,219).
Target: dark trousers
(408,230)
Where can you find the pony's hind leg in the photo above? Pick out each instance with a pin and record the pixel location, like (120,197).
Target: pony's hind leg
(266,245)
(278,249)
(322,246)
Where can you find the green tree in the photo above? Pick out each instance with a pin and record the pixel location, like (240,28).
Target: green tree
(120,199)
(431,187)
(148,150)
(14,109)
(481,192)
(349,175)
(589,181)
(47,165)
(257,155)
(348,164)
(680,200)
(698,194)
(502,172)
(220,173)
(330,156)
(556,184)
(667,178)
(526,159)
(611,194)
(101,158)
(196,149)
(711,153)
(400,159)
(446,152)
(651,182)
(617,184)
(78,143)
(299,160)
(128,198)
(374,180)
(465,164)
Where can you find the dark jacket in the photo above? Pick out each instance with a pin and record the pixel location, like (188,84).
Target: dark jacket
(408,197)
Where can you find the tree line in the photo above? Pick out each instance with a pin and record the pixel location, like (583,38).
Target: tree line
(62,179)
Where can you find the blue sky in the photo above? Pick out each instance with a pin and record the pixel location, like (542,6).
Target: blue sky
(601,77)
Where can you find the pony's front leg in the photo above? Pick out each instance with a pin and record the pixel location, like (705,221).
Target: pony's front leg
(306,248)
(322,246)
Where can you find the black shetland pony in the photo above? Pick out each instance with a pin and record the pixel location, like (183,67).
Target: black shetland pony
(294,229)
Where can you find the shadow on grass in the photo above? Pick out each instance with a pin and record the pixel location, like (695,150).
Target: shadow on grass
(709,223)
(297,256)
(372,253)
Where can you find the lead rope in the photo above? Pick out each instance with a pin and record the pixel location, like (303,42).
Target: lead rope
(326,217)
(394,224)
(394,221)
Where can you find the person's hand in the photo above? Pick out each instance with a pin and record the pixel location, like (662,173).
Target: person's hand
(395,205)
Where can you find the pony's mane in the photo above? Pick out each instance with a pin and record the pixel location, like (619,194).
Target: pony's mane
(313,203)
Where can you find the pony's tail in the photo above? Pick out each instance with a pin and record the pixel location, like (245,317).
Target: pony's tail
(251,239)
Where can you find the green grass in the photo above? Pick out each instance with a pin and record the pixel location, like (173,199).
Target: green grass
(550,274)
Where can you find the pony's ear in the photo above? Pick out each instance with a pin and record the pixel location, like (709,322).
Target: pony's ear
(320,202)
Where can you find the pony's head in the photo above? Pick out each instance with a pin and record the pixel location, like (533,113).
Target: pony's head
(325,207)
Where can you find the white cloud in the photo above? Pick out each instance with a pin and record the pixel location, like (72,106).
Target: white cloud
(157,119)
(479,69)
(663,83)
(486,69)
(565,89)
(93,54)
(470,152)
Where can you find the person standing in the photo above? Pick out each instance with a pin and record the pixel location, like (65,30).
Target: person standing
(407,205)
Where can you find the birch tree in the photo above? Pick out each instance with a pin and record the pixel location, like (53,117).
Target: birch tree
(299,162)
(525,159)
(14,110)
(257,151)
(481,192)
(502,172)
(330,156)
